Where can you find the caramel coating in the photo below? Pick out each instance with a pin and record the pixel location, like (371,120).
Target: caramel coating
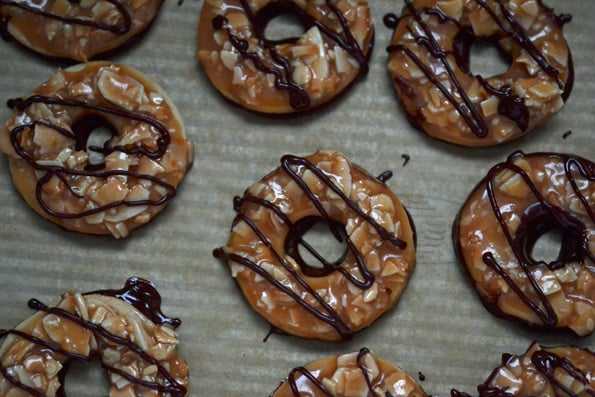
(353,374)
(52,161)
(496,230)
(326,301)
(131,346)
(284,76)
(77,30)
(429,64)
(542,371)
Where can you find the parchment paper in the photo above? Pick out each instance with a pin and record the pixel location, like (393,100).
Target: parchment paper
(439,327)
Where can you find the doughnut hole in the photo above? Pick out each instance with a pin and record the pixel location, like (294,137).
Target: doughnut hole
(317,246)
(84,376)
(487,59)
(283,27)
(94,134)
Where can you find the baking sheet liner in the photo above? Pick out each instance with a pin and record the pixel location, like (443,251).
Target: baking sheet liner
(439,328)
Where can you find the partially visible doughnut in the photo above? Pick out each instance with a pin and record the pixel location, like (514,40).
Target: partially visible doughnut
(542,371)
(497,228)
(125,328)
(288,75)
(429,60)
(75,29)
(322,298)
(353,374)
(137,169)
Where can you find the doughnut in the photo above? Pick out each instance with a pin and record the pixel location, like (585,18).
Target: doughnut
(125,328)
(495,233)
(542,371)
(287,280)
(110,188)
(429,62)
(75,29)
(352,374)
(289,75)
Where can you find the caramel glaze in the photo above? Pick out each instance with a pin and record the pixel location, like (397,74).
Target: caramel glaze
(296,372)
(119,29)
(546,363)
(143,295)
(81,132)
(510,105)
(281,69)
(294,239)
(537,220)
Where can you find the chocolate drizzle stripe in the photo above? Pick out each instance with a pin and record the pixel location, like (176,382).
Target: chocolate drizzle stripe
(80,136)
(116,29)
(327,314)
(588,174)
(543,309)
(281,68)
(170,385)
(310,376)
(547,363)
(510,105)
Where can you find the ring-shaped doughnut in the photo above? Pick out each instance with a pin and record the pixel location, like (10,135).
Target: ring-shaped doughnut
(125,328)
(429,59)
(75,29)
(317,298)
(288,75)
(352,374)
(541,371)
(111,187)
(495,233)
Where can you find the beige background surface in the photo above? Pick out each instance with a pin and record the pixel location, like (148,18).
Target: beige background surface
(439,328)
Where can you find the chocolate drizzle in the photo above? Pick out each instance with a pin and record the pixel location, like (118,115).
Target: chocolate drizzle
(81,131)
(292,165)
(510,105)
(121,28)
(280,69)
(547,364)
(295,373)
(537,220)
(135,290)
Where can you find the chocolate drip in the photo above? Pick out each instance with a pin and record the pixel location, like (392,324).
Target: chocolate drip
(80,134)
(385,176)
(281,68)
(134,286)
(143,295)
(119,29)
(510,105)
(537,220)
(294,374)
(294,238)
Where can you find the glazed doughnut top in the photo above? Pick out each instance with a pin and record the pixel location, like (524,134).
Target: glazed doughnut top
(320,297)
(429,61)
(75,29)
(541,371)
(110,187)
(352,374)
(496,231)
(289,74)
